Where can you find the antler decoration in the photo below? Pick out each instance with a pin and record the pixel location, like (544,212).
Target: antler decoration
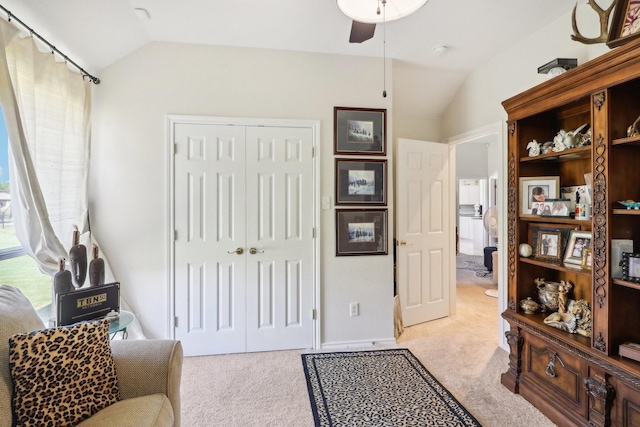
(604,24)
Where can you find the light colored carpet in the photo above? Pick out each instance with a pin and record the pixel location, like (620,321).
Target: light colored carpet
(269,389)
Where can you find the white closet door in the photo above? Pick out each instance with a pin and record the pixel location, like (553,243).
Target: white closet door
(210,227)
(280,229)
(239,188)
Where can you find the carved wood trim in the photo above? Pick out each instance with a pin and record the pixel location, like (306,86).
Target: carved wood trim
(515,320)
(598,100)
(600,222)
(515,340)
(601,395)
(512,128)
(512,215)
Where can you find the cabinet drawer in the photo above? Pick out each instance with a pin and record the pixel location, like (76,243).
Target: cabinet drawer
(557,374)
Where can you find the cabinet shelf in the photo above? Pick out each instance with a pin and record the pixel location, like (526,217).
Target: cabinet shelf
(556,220)
(557,267)
(626,284)
(625,211)
(537,320)
(635,140)
(562,156)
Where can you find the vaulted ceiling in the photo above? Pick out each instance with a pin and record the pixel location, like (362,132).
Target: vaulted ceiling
(97,33)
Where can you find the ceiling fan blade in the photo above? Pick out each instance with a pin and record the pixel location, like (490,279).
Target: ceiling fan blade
(361,32)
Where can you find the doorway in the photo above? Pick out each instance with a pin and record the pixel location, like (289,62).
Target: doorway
(494,135)
(244,252)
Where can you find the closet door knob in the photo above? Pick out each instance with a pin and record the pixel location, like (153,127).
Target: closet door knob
(254,251)
(238,251)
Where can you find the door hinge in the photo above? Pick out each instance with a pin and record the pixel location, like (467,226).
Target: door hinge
(175,322)
(175,235)
(313,314)
(313,151)
(313,233)
(175,149)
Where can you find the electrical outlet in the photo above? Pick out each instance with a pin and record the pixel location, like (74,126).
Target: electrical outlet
(354,309)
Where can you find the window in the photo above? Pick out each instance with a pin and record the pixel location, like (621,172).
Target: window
(16,268)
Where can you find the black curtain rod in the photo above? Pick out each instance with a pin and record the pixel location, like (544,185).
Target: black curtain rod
(11,16)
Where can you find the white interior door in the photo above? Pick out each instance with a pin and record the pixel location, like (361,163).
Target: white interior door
(423,230)
(280,231)
(244,249)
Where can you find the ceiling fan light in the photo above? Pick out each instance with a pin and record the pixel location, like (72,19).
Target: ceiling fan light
(365,10)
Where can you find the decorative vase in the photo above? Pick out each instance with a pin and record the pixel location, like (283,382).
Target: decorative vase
(78,260)
(552,294)
(62,279)
(96,268)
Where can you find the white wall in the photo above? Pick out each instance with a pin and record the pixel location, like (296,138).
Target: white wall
(129,165)
(479,100)
(472,160)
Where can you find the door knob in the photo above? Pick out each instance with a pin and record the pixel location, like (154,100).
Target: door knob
(254,251)
(404,243)
(238,251)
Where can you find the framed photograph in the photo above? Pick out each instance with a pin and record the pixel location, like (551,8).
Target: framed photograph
(578,241)
(630,267)
(587,258)
(563,229)
(552,207)
(361,232)
(625,25)
(549,245)
(359,131)
(537,189)
(361,182)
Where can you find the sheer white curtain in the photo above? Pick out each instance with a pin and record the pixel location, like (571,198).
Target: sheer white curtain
(47,110)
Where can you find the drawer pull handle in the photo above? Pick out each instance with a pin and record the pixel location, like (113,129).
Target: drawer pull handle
(551,367)
(551,370)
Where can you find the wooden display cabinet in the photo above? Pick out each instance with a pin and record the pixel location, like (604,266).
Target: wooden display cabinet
(574,379)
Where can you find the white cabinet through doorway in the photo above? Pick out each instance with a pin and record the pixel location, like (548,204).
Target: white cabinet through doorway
(244,257)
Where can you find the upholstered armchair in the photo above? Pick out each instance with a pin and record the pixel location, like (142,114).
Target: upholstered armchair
(148,372)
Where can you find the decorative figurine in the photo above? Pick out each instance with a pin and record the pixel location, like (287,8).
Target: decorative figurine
(576,320)
(546,147)
(534,148)
(558,141)
(78,260)
(633,129)
(62,279)
(96,268)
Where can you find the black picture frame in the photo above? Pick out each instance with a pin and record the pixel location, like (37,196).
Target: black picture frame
(630,267)
(361,182)
(361,232)
(624,26)
(360,131)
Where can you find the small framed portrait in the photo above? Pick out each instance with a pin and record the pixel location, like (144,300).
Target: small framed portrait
(536,190)
(361,232)
(536,228)
(549,246)
(359,131)
(625,25)
(361,182)
(587,258)
(553,207)
(630,267)
(578,241)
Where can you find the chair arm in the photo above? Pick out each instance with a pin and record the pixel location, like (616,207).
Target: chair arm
(149,366)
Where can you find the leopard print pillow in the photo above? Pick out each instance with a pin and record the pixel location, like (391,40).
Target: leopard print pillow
(62,375)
